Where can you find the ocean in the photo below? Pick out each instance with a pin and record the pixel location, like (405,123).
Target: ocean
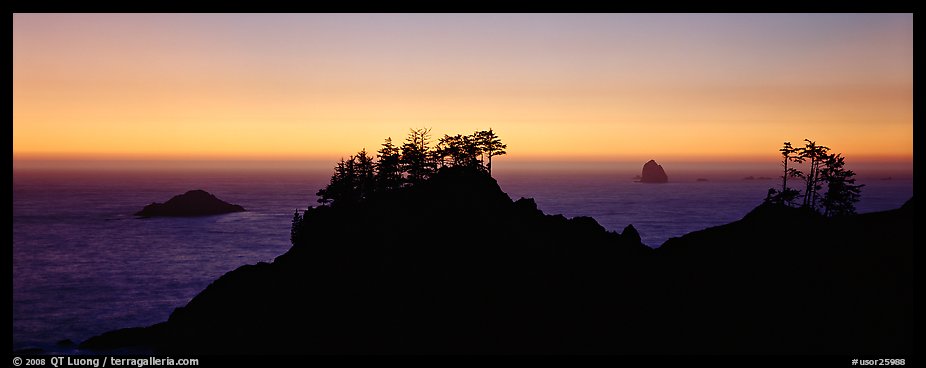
(84,265)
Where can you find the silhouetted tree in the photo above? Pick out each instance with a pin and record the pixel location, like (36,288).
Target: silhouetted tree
(388,169)
(823,169)
(460,151)
(344,185)
(295,231)
(787,195)
(415,160)
(365,179)
(448,150)
(362,175)
(438,155)
(337,186)
(470,151)
(491,145)
(815,156)
(842,192)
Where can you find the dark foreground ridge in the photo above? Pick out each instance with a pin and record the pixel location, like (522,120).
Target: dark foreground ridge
(193,203)
(453,265)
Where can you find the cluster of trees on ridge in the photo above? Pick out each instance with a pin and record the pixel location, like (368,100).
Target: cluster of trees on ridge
(823,169)
(362,175)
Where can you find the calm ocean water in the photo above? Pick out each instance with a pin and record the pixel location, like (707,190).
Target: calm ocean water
(83,265)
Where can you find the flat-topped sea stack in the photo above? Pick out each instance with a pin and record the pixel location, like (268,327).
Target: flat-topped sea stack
(653,173)
(193,203)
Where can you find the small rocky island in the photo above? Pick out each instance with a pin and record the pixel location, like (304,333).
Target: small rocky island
(193,203)
(653,173)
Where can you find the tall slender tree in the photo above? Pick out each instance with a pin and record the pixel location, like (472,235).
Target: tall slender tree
(491,145)
(789,154)
(815,155)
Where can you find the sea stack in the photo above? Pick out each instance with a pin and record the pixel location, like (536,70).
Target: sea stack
(653,173)
(193,203)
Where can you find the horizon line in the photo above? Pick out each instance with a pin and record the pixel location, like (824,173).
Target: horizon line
(676,158)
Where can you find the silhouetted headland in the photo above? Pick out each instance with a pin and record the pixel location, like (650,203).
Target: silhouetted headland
(193,203)
(453,265)
(653,173)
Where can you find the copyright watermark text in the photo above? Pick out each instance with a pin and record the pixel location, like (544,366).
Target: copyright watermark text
(101,362)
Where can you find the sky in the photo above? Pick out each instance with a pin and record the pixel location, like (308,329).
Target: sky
(555,87)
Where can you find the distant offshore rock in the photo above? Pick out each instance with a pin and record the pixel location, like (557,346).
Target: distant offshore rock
(653,173)
(193,203)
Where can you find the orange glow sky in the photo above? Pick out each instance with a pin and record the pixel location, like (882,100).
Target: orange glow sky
(555,87)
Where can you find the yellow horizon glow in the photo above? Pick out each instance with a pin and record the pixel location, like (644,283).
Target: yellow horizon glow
(91,86)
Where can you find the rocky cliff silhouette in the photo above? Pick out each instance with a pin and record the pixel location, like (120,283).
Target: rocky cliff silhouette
(453,265)
(192,203)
